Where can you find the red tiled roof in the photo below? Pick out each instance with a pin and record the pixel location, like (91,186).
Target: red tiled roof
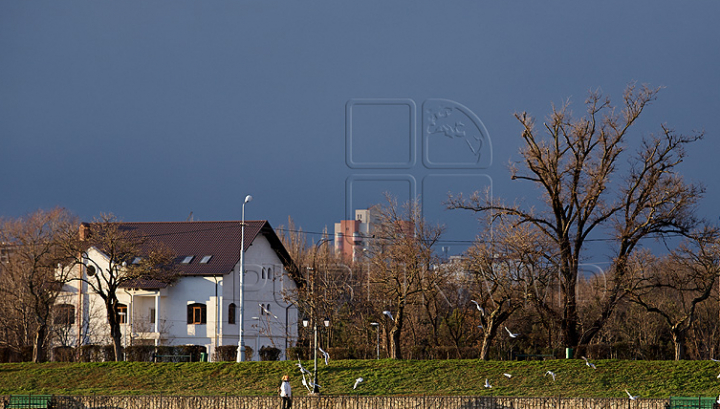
(220,240)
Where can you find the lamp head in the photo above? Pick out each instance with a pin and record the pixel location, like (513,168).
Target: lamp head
(248,198)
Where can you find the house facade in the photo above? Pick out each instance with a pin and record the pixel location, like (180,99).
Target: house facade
(201,307)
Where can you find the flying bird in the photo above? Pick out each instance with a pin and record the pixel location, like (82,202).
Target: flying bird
(357,381)
(551,373)
(325,354)
(487,383)
(512,335)
(386,312)
(302,369)
(305,383)
(482,312)
(631,396)
(588,363)
(507,375)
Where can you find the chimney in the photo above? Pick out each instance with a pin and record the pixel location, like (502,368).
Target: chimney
(84,231)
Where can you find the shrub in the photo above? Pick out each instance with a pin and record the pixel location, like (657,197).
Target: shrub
(139,353)
(294,353)
(63,354)
(268,353)
(340,353)
(229,353)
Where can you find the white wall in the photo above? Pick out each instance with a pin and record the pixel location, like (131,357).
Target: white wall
(266,282)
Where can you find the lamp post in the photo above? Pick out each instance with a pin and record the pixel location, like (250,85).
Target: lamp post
(377,343)
(241,341)
(306,322)
(122,315)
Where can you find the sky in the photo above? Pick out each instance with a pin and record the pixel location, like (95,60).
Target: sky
(162,110)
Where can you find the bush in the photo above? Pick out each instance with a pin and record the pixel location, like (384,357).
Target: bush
(268,353)
(63,354)
(140,353)
(295,353)
(91,353)
(340,353)
(10,354)
(229,353)
(179,353)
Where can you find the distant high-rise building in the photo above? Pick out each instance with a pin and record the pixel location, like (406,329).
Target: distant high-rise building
(351,236)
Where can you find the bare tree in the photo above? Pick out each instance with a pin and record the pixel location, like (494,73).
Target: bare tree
(509,263)
(587,190)
(31,279)
(402,256)
(675,285)
(126,258)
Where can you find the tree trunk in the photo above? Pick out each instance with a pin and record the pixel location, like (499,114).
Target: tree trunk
(677,338)
(395,348)
(569,321)
(115,332)
(488,336)
(39,352)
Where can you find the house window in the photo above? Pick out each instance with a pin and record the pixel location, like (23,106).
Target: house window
(196,313)
(205,259)
(64,314)
(152,315)
(187,259)
(232,311)
(121,313)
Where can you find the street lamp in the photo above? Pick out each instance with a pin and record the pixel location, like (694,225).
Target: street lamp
(306,322)
(241,341)
(377,344)
(122,315)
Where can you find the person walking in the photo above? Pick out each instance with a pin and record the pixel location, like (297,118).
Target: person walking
(285,392)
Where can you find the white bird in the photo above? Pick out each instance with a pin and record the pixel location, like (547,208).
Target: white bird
(715,360)
(302,369)
(357,381)
(507,375)
(718,400)
(512,335)
(718,376)
(482,312)
(588,363)
(325,354)
(551,373)
(487,383)
(630,396)
(305,383)
(386,312)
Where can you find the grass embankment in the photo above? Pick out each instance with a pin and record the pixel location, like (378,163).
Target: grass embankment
(649,379)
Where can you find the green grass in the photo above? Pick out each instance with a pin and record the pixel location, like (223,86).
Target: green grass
(649,379)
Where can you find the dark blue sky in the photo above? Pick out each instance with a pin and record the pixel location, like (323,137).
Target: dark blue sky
(153,109)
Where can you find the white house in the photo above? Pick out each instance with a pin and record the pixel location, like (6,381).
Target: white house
(202,306)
